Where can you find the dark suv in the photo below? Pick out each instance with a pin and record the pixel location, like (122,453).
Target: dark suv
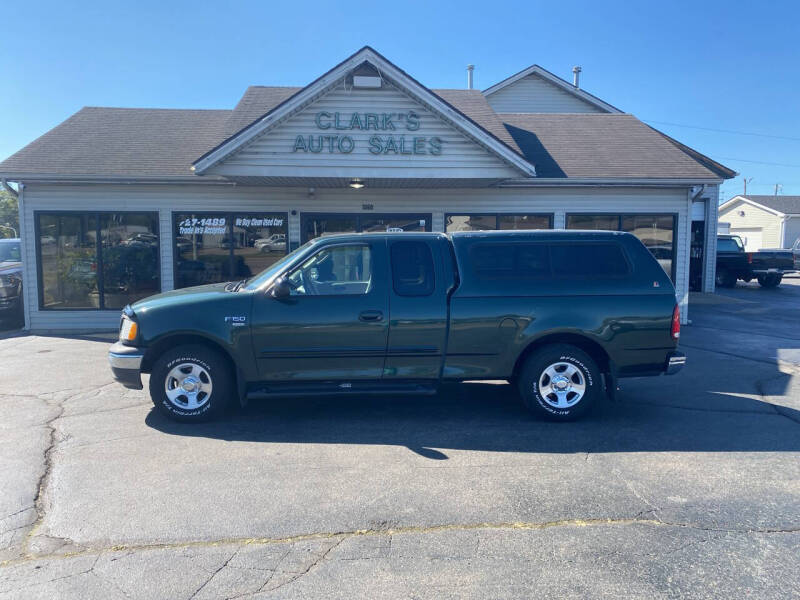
(563,314)
(11,282)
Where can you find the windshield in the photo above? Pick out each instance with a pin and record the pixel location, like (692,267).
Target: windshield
(9,252)
(731,244)
(256,281)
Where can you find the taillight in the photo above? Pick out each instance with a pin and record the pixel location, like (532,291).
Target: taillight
(675,330)
(749,258)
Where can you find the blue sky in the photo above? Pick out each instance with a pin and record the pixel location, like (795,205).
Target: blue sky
(695,70)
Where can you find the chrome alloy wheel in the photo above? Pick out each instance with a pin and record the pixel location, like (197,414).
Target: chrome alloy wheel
(188,386)
(562,385)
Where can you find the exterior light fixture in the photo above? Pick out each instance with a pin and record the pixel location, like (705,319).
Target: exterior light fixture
(356,183)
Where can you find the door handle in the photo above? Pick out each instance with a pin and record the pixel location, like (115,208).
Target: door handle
(370,315)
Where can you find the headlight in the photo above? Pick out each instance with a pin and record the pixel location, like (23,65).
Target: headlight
(128,330)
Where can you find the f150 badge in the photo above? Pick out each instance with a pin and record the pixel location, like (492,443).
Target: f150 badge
(236,321)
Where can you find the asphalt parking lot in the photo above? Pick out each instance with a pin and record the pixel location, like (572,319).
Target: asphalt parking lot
(690,486)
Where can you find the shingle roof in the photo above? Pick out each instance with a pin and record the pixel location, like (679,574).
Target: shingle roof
(121,142)
(255,103)
(163,143)
(788,205)
(599,146)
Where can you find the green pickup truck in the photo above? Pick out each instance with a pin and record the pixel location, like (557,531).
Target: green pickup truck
(562,314)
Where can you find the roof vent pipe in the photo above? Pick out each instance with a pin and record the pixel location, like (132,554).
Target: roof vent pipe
(470,70)
(576,76)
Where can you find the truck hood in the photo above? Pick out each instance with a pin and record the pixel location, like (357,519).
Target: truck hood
(184,296)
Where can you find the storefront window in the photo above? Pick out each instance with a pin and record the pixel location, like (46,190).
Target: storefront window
(597,222)
(97,260)
(129,257)
(523,222)
(496,221)
(657,232)
(318,225)
(259,242)
(216,247)
(398,224)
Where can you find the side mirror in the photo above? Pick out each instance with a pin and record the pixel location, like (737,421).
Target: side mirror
(280,288)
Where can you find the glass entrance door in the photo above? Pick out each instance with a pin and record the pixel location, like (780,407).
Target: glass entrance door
(315,225)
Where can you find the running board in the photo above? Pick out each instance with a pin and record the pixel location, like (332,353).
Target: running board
(259,391)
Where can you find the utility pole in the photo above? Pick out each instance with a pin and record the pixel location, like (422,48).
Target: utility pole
(745,180)
(778,186)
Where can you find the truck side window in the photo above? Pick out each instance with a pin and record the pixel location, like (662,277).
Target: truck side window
(412,269)
(588,260)
(511,261)
(340,270)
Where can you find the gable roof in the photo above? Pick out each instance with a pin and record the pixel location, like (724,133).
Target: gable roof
(400,78)
(259,100)
(120,143)
(124,144)
(595,145)
(779,205)
(556,81)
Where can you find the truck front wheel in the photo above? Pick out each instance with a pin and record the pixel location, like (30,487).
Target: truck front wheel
(191,384)
(725,278)
(560,382)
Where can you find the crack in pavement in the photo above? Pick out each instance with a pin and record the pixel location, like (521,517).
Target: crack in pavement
(410,529)
(51,447)
(214,574)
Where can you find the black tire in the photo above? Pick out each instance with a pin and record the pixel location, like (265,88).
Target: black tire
(536,399)
(725,278)
(770,280)
(203,364)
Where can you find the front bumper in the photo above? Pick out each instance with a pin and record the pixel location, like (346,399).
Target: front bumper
(126,362)
(675,362)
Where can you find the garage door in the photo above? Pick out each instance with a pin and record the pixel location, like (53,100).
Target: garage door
(750,237)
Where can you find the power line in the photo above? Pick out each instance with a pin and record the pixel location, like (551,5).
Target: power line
(766,135)
(758,162)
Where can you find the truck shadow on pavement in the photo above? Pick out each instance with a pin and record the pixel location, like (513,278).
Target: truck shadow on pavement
(677,414)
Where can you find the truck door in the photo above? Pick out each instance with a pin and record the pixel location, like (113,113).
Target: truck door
(418,291)
(335,323)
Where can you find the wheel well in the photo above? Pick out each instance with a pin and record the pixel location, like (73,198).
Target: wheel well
(592,348)
(164,344)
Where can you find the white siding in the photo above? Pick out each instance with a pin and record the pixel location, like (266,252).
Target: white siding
(532,94)
(558,201)
(754,218)
(272,153)
(710,256)
(792,231)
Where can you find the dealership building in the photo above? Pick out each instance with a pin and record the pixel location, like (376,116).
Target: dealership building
(118,203)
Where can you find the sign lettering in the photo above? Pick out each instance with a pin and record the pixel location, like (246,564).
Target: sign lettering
(377,144)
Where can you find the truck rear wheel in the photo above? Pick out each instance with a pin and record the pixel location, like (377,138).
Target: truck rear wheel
(191,384)
(770,280)
(560,382)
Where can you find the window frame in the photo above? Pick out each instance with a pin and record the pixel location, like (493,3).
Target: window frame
(358,216)
(98,250)
(621,215)
(230,216)
(550,219)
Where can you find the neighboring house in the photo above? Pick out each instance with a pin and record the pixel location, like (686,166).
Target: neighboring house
(120,203)
(763,221)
